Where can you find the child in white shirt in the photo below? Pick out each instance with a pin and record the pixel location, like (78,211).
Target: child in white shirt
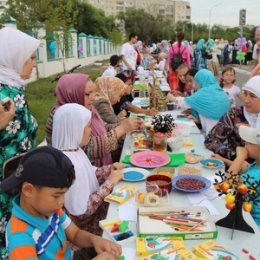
(227,83)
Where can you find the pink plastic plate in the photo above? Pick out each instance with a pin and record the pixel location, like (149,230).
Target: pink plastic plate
(149,159)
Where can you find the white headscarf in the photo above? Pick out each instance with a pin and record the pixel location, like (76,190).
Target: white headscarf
(252,85)
(69,122)
(16,48)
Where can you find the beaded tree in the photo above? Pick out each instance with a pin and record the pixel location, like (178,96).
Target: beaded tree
(240,193)
(163,123)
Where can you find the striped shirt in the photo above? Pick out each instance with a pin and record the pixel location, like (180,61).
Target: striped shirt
(31,237)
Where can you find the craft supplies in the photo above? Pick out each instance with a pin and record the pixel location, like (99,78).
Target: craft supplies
(118,230)
(209,250)
(122,194)
(186,222)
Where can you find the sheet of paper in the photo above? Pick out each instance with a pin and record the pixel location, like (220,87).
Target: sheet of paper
(128,253)
(206,203)
(196,198)
(199,199)
(128,210)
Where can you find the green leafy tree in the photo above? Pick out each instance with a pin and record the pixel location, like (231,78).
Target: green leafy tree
(54,15)
(91,20)
(147,27)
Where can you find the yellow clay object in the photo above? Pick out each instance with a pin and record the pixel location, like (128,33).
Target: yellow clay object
(188,143)
(141,197)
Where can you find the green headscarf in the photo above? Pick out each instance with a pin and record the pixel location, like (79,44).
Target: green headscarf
(201,44)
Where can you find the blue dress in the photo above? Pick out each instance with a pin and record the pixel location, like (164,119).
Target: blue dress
(253,171)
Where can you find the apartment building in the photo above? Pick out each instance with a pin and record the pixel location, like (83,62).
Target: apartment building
(3,5)
(166,9)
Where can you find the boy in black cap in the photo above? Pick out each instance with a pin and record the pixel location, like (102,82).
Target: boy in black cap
(38,228)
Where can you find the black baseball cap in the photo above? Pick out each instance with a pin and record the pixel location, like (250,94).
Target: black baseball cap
(43,166)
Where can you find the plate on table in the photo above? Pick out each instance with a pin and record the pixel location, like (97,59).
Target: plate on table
(149,159)
(135,174)
(190,183)
(212,163)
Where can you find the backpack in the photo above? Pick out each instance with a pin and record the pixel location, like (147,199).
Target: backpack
(177,59)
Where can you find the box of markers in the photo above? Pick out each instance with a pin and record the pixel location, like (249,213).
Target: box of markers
(185,222)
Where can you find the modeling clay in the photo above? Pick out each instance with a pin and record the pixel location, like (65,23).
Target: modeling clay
(115,228)
(123,226)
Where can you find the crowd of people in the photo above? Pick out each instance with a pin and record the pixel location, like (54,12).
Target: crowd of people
(62,186)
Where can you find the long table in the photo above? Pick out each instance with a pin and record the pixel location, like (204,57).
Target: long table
(241,240)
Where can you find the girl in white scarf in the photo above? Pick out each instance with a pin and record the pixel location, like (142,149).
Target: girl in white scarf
(71,132)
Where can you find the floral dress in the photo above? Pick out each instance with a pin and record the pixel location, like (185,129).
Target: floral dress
(18,137)
(224,138)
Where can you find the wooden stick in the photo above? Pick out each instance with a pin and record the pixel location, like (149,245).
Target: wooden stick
(197,225)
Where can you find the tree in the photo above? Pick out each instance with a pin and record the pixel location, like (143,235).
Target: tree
(54,15)
(91,20)
(146,26)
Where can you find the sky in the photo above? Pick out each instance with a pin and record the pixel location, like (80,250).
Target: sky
(226,12)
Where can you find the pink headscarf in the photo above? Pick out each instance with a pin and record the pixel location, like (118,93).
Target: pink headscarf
(71,89)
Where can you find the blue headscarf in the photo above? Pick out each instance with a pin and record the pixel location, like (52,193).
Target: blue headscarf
(201,44)
(210,100)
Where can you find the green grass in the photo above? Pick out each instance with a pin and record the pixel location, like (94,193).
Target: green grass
(40,96)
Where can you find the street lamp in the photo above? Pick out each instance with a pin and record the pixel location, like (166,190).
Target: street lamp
(210,11)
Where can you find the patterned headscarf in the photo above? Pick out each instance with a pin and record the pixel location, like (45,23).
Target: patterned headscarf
(108,87)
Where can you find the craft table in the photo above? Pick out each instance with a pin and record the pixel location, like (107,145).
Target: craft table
(241,240)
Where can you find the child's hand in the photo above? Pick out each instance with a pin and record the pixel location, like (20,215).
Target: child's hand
(140,124)
(177,93)
(235,167)
(193,118)
(122,114)
(118,166)
(106,248)
(115,176)
(170,97)
(7,112)
(152,112)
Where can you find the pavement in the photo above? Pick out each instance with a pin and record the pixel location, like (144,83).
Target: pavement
(243,69)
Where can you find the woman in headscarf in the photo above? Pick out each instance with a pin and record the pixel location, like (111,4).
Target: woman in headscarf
(17,60)
(210,100)
(108,91)
(79,88)
(200,55)
(223,139)
(84,201)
